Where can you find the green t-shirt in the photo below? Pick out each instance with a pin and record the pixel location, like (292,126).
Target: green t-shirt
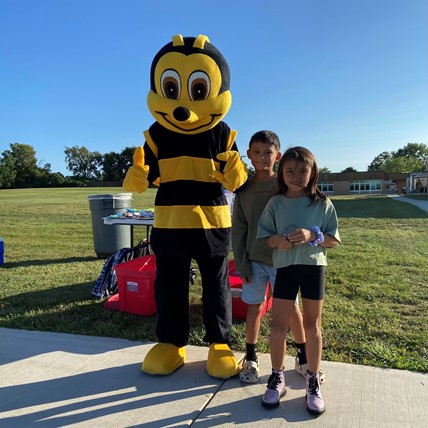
(283,215)
(247,209)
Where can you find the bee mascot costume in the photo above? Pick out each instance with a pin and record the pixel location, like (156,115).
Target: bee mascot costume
(192,155)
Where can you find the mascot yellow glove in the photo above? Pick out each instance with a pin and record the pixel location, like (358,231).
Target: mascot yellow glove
(234,174)
(136,177)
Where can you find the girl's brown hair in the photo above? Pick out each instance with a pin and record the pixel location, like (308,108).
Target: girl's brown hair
(301,154)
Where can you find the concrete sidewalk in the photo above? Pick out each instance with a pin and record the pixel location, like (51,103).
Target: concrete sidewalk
(57,380)
(420,203)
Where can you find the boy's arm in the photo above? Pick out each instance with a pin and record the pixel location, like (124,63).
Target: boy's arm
(239,239)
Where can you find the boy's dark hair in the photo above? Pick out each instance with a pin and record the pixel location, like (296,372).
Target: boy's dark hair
(267,137)
(301,154)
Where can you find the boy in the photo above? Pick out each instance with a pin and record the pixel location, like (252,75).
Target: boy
(253,260)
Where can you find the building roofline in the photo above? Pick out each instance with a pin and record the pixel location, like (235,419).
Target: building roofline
(362,175)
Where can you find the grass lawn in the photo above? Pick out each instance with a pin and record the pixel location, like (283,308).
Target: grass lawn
(376,301)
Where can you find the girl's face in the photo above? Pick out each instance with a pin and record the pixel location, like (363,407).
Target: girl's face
(296,175)
(263,156)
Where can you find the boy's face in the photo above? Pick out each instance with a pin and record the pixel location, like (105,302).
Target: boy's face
(263,156)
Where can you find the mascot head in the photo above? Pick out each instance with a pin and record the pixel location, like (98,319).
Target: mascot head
(189,85)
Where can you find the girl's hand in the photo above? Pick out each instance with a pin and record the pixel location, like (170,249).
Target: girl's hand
(301,236)
(279,241)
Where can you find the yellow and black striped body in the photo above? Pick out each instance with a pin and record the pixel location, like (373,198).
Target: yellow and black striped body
(192,217)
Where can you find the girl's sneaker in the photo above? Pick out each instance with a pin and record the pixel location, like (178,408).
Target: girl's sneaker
(314,400)
(275,389)
(302,370)
(249,372)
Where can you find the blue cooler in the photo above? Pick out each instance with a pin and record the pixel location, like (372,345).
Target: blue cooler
(1,251)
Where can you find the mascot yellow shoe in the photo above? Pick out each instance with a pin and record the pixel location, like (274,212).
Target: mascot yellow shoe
(221,362)
(163,359)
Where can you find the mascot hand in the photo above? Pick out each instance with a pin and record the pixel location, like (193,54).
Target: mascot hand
(234,174)
(136,177)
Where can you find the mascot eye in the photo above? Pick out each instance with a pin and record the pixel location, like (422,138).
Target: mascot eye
(170,84)
(199,86)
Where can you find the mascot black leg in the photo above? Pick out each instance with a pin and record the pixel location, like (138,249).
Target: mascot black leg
(172,300)
(216,299)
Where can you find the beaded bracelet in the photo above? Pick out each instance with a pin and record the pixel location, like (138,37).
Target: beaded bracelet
(320,236)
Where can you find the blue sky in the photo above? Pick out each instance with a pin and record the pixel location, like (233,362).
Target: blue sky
(346,78)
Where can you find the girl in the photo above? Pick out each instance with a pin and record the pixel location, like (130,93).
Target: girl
(299,223)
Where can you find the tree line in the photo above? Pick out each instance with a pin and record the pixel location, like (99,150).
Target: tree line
(411,158)
(19,167)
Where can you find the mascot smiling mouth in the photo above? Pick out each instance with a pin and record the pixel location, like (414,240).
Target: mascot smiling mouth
(207,125)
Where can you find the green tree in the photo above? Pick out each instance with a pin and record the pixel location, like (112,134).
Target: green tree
(401,164)
(413,150)
(57,179)
(378,162)
(44,176)
(115,165)
(410,158)
(24,157)
(325,170)
(83,163)
(349,169)
(7,171)
(19,168)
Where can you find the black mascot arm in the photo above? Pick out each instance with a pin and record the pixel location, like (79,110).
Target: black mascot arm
(152,162)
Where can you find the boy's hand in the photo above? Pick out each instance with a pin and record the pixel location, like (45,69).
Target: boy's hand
(136,177)
(246,279)
(234,174)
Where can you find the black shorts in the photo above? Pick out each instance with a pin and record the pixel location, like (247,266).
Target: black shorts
(310,279)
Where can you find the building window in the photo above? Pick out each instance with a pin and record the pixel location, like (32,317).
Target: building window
(365,186)
(325,187)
